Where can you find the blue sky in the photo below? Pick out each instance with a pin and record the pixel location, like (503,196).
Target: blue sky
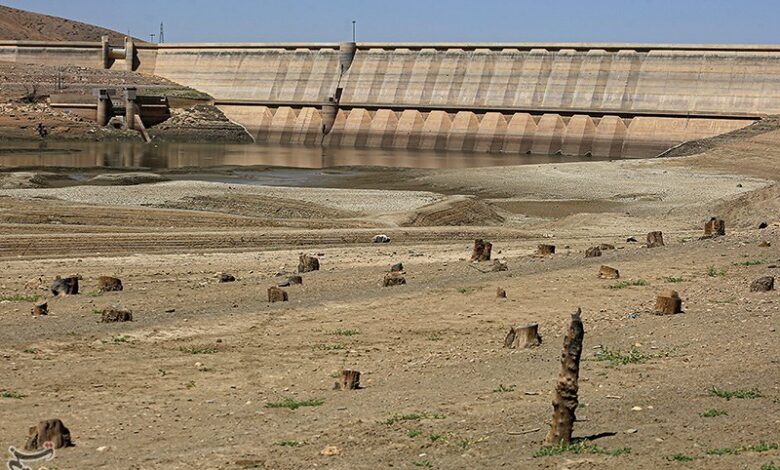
(657,21)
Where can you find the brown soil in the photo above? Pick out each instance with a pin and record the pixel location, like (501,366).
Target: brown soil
(20,25)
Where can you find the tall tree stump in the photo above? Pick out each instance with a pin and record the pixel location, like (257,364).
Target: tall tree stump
(307,264)
(277,295)
(52,430)
(655,239)
(109,284)
(481,251)
(714,227)
(349,380)
(763,284)
(565,401)
(40,309)
(593,252)
(607,272)
(522,337)
(544,250)
(668,302)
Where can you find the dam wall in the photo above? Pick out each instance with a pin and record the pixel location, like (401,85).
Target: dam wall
(615,100)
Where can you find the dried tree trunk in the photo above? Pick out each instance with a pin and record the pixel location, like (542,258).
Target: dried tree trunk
(349,380)
(481,251)
(715,227)
(544,250)
(655,239)
(668,302)
(523,337)
(565,401)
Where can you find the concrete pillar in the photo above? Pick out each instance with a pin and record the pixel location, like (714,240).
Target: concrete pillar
(129,54)
(106,51)
(346,55)
(131,107)
(104,106)
(329,111)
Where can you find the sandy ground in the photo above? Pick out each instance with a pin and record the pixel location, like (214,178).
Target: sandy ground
(193,380)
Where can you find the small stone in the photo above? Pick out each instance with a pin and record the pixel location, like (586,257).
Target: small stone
(631,431)
(763,284)
(226,277)
(636,408)
(330,451)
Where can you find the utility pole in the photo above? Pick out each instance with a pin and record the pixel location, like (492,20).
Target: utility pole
(151,37)
(161,37)
(354,35)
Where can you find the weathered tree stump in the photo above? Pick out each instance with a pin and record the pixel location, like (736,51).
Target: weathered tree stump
(655,239)
(349,380)
(393,279)
(763,284)
(40,309)
(276,294)
(65,286)
(593,252)
(109,284)
(668,302)
(544,250)
(522,337)
(53,431)
(565,401)
(606,246)
(714,227)
(500,293)
(499,266)
(481,251)
(115,315)
(607,272)
(397,268)
(226,277)
(307,264)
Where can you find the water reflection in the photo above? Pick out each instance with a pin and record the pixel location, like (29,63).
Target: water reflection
(182,155)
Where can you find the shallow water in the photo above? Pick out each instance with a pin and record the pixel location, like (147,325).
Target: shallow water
(166,156)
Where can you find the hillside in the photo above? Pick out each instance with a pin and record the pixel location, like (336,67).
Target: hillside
(20,25)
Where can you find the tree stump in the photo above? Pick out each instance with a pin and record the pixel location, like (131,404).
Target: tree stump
(607,272)
(349,380)
(668,302)
(65,286)
(226,277)
(393,279)
(397,268)
(481,251)
(763,284)
(115,315)
(714,227)
(500,293)
(593,252)
(544,250)
(53,431)
(307,264)
(276,294)
(523,337)
(565,401)
(295,280)
(655,239)
(40,309)
(109,284)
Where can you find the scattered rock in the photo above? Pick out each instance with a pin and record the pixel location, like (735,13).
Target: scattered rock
(544,250)
(226,277)
(307,264)
(40,309)
(668,302)
(380,239)
(114,315)
(330,451)
(763,284)
(764,244)
(276,294)
(523,337)
(481,251)
(52,430)
(397,268)
(763,225)
(499,266)
(593,252)
(607,272)
(109,284)
(631,240)
(714,227)
(655,239)
(393,279)
(500,293)
(65,286)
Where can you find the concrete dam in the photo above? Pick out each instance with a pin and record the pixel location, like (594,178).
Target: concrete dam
(605,100)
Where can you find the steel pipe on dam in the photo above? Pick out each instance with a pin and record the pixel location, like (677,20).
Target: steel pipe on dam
(617,100)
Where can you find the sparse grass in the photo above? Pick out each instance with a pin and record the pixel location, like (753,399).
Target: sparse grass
(413,433)
(624,284)
(755,262)
(435,336)
(760,447)
(424,464)
(30,351)
(437,437)
(581,447)
(619,358)
(723,451)
(743,394)
(19,298)
(198,350)
(10,394)
(293,404)
(712,413)
(289,443)
(674,279)
(504,389)
(410,417)
(770,466)
(341,332)
(331,347)
(190,384)
(681,458)
(94,293)
(121,339)
(712,271)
